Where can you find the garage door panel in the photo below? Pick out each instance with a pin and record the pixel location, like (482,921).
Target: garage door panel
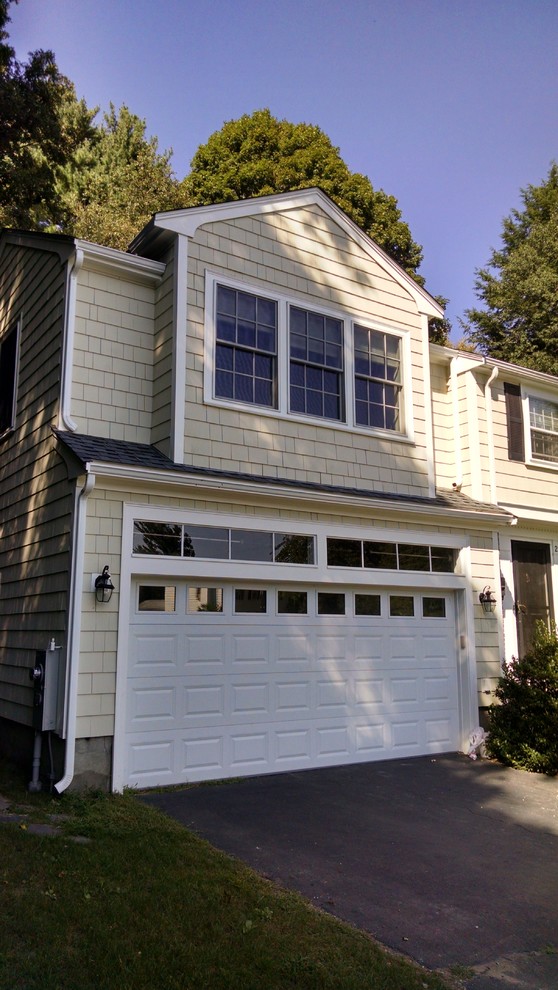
(154,655)
(369,649)
(369,692)
(249,649)
(333,697)
(205,653)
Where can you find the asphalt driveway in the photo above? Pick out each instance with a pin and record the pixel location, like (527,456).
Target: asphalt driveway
(450,861)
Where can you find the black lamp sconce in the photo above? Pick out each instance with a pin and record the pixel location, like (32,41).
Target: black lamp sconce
(104,586)
(487,599)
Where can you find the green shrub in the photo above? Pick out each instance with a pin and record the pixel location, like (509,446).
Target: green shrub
(524,726)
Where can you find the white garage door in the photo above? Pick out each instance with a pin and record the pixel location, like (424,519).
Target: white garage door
(230,681)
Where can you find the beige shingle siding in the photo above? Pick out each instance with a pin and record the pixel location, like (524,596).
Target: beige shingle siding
(532,486)
(112,392)
(36,498)
(304,255)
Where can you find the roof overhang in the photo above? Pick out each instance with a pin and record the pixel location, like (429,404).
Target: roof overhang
(165,226)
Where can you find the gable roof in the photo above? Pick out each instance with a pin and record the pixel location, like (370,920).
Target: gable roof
(94,453)
(163,227)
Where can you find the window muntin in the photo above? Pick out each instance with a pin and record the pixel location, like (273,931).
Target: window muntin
(156,598)
(316,364)
(246,347)
(380,555)
(222,543)
(8,373)
(543,421)
(204,600)
(378,379)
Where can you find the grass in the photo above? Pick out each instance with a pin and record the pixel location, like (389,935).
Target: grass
(146,905)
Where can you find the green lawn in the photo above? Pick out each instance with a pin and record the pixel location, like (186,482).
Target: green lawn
(146,905)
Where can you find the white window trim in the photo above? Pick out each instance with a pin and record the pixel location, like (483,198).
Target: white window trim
(348,424)
(530,459)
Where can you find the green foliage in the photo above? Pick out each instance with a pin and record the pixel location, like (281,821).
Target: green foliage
(115,181)
(524,726)
(258,155)
(41,123)
(519,287)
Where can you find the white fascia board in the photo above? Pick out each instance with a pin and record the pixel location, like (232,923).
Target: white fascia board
(529,515)
(477,362)
(188,221)
(138,476)
(111,261)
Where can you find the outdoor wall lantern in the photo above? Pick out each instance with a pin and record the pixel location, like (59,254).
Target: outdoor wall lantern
(487,599)
(104,586)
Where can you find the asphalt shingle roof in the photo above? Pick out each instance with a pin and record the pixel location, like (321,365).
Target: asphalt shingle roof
(102,450)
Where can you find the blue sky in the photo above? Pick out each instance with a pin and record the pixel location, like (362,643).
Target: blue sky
(449,105)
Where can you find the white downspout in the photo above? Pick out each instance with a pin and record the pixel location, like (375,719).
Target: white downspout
(74,633)
(456,431)
(65,419)
(490,436)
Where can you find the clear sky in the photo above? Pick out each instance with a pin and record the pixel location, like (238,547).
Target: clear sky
(448,105)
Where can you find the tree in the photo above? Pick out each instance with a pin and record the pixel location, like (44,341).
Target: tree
(115,181)
(519,286)
(41,122)
(258,155)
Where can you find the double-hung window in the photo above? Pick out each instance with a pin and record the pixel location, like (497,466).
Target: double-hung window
(289,360)
(378,380)
(543,421)
(246,347)
(316,364)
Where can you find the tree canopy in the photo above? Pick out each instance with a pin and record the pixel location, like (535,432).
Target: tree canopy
(519,286)
(257,155)
(41,123)
(61,171)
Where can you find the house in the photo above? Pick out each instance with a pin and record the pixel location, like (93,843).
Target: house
(240,425)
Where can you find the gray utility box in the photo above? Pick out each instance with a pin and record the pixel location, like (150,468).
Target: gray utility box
(48,686)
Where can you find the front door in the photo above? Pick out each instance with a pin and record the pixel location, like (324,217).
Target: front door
(531,578)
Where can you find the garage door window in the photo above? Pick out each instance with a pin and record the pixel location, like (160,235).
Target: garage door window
(204,600)
(156,598)
(401,605)
(292,602)
(331,603)
(252,600)
(368,605)
(434,608)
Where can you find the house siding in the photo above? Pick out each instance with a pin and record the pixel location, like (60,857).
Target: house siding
(36,502)
(112,393)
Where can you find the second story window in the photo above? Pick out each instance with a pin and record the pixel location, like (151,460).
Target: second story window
(543,417)
(316,364)
(377,379)
(246,347)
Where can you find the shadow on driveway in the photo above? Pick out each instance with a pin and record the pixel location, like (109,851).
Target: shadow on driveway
(452,862)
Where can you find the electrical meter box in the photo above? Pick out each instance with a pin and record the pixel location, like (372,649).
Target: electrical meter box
(47,677)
